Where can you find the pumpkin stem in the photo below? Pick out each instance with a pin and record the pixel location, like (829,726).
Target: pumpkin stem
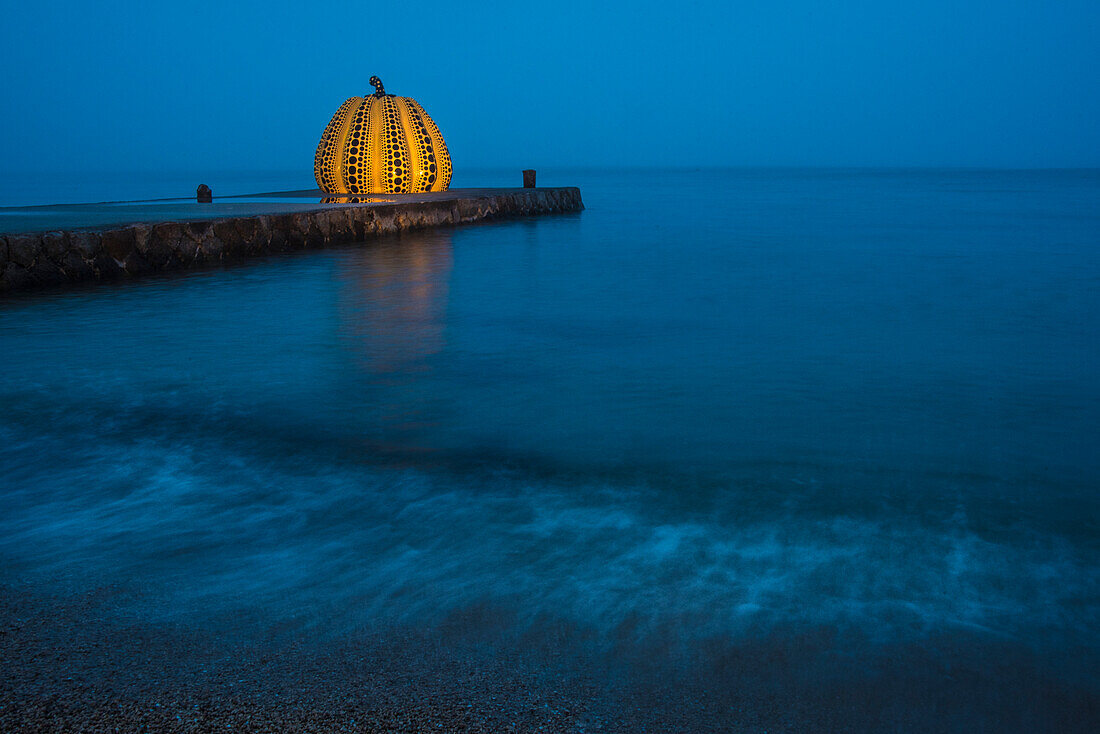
(379,90)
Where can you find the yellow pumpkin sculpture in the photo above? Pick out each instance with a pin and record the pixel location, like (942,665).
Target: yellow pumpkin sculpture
(381,144)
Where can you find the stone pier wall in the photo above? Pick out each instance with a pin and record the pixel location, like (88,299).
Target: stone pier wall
(59,257)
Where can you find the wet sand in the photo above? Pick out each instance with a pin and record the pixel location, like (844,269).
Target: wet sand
(79,664)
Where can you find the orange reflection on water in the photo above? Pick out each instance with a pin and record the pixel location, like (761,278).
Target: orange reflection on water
(392,316)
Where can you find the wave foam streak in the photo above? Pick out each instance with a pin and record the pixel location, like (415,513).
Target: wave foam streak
(206,531)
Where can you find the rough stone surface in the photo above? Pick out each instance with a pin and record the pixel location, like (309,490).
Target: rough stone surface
(58,257)
(54,244)
(106,267)
(162,246)
(85,243)
(24,248)
(119,243)
(14,277)
(76,267)
(46,273)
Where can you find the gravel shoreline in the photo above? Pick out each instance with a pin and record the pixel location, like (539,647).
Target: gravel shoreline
(69,667)
(76,664)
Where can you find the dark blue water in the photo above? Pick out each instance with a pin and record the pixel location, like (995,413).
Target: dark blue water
(715,404)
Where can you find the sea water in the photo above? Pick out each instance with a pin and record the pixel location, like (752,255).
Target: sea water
(716,404)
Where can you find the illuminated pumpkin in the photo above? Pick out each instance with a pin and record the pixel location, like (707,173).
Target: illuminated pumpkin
(381,144)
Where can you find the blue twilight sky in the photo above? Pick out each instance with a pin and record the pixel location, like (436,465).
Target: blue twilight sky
(166,86)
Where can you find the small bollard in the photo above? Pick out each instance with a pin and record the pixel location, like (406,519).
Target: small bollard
(204,194)
(528,179)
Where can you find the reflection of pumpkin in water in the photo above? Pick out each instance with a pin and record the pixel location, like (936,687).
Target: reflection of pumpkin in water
(381,144)
(393,301)
(392,316)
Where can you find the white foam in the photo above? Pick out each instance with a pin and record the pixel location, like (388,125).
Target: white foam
(211,533)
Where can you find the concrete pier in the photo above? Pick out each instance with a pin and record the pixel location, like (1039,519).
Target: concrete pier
(54,245)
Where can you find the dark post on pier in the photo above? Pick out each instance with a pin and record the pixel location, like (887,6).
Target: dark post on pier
(204,194)
(528,179)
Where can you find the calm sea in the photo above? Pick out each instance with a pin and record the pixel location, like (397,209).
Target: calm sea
(716,407)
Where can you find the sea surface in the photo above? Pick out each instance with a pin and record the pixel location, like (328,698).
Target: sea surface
(851,415)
